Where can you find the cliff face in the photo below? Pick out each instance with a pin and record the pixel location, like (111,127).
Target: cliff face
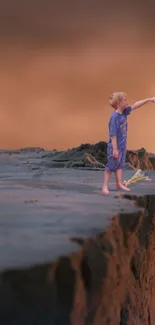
(141,160)
(109,280)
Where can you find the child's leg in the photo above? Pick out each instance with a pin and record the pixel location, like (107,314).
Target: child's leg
(118,173)
(107,175)
(119,183)
(118,177)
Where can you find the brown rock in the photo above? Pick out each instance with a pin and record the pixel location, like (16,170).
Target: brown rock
(110,280)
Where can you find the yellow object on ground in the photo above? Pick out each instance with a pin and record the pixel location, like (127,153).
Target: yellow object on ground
(137,177)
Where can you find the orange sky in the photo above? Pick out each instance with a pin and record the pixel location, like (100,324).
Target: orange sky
(59,64)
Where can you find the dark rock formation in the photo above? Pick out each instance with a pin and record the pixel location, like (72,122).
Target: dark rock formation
(32,149)
(76,157)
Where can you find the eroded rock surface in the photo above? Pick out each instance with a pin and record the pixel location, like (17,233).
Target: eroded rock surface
(70,256)
(109,280)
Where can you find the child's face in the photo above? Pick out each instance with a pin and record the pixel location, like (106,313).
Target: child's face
(123,103)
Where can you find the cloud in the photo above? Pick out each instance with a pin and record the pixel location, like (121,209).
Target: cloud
(47,23)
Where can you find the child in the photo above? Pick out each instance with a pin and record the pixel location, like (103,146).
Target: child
(116,148)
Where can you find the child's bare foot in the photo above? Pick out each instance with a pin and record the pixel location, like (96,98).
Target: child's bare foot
(105,190)
(123,187)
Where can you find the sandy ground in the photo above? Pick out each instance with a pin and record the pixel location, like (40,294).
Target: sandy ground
(41,209)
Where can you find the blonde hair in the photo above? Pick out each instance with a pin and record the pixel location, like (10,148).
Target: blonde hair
(115,98)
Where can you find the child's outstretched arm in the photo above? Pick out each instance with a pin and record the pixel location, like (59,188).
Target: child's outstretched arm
(142,102)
